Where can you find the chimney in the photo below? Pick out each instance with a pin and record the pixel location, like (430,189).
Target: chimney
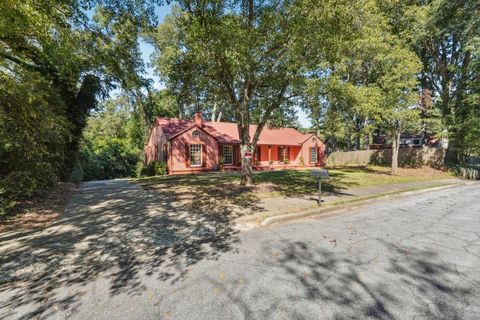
(198,119)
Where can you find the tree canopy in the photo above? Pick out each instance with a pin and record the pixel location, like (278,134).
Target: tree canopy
(355,67)
(57,59)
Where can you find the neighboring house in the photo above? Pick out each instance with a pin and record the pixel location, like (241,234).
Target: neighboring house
(196,145)
(381,141)
(412,140)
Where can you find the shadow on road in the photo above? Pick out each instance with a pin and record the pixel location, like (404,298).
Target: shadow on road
(350,287)
(116,231)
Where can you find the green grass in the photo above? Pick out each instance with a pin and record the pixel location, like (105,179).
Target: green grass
(289,182)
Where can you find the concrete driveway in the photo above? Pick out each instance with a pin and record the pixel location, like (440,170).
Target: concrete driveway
(121,252)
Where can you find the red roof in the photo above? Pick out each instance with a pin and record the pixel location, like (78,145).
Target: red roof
(227,132)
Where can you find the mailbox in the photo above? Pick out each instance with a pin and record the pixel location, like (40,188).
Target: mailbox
(320,173)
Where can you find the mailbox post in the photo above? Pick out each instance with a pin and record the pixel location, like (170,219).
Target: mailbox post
(320,174)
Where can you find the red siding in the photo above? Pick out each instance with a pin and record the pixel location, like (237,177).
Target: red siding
(155,146)
(180,145)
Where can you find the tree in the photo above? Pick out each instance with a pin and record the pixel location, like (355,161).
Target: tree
(56,63)
(255,53)
(399,108)
(372,87)
(444,34)
(83,58)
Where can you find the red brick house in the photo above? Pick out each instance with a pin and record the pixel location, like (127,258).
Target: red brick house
(195,145)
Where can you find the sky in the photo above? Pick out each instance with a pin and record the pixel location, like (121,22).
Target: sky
(147,50)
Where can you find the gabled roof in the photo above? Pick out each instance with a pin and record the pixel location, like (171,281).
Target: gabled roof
(173,126)
(227,132)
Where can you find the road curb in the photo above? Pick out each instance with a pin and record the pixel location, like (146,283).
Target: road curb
(354,204)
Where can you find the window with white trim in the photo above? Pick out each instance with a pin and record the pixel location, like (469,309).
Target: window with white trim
(227,152)
(195,155)
(313,155)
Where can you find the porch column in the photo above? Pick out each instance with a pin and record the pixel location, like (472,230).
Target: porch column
(269,154)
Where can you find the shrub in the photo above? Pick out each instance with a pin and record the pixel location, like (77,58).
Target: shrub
(151,169)
(145,169)
(160,168)
(6,203)
(76,176)
(34,135)
(108,159)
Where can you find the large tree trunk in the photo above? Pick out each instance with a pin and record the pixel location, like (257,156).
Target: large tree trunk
(247,170)
(395,148)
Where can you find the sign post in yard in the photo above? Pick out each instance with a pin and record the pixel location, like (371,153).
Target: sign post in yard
(320,174)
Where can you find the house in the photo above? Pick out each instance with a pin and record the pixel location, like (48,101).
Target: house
(381,141)
(195,145)
(412,140)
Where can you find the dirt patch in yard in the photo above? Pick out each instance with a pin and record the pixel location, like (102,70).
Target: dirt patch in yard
(39,211)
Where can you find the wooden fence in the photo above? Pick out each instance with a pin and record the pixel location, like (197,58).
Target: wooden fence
(406,157)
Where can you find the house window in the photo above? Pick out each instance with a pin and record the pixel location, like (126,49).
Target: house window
(283,154)
(195,154)
(313,155)
(227,155)
(195,134)
(165,153)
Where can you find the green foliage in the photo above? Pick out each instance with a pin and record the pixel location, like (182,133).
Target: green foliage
(160,168)
(447,41)
(56,63)
(108,159)
(145,170)
(371,87)
(107,151)
(33,133)
(6,202)
(247,58)
(151,169)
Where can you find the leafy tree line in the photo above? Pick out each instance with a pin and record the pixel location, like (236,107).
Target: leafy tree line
(114,138)
(58,59)
(443,36)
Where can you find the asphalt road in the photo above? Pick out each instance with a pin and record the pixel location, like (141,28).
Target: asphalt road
(120,253)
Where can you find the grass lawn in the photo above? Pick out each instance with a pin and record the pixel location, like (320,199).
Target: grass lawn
(225,186)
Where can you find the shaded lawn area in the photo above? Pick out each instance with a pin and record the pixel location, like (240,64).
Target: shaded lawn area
(225,186)
(40,210)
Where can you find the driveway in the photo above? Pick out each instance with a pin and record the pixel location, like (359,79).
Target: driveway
(122,252)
